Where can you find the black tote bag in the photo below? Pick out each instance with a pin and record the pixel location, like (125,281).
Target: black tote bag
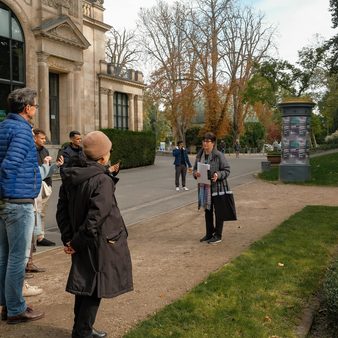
(224,204)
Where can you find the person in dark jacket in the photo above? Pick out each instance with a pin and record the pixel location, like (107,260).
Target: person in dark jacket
(73,151)
(93,232)
(181,164)
(20,183)
(219,171)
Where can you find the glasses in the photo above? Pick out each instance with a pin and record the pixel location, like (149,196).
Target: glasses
(207,141)
(34,105)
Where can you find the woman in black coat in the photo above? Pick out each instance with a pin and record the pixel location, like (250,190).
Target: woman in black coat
(94,233)
(219,171)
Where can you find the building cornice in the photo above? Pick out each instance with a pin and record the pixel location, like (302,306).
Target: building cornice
(96,24)
(122,81)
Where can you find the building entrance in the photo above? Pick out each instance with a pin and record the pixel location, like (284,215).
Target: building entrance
(54,106)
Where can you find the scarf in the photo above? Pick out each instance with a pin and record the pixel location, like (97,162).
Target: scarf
(204,190)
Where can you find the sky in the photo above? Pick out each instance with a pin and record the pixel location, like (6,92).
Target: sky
(297,21)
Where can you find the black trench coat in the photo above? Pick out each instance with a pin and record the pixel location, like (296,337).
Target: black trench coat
(89,218)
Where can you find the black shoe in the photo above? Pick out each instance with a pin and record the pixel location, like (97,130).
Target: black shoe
(215,239)
(45,242)
(205,238)
(4,313)
(98,334)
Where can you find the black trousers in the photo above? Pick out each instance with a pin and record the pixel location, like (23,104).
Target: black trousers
(180,170)
(211,228)
(85,310)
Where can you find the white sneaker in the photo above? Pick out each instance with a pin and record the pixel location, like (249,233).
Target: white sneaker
(185,189)
(30,290)
(177,189)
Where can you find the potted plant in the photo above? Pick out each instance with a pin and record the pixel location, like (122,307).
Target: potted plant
(274,156)
(273,153)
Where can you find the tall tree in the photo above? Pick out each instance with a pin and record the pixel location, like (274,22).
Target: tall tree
(227,40)
(121,50)
(164,42)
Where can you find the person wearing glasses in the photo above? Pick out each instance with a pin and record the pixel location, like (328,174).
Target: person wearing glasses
(219,171)
(20,183)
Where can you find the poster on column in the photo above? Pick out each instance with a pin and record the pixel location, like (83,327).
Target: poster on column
(294,144)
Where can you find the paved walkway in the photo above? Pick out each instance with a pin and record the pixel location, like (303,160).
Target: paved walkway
(168,259)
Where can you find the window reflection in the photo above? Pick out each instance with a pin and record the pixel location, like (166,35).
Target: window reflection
(18,61)
(121,110)
(12,56)
(4,22)
(16,30)
(5,59)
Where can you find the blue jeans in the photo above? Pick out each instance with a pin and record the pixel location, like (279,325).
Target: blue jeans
(16,230)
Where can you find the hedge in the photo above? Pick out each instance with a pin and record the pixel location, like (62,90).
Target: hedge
(330,289)
(133,149)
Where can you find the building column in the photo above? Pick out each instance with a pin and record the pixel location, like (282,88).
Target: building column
(111,109)
(71,110)
(139,104)
(78,90)
(103,118)
(43,92)
(131,112)
(136,116)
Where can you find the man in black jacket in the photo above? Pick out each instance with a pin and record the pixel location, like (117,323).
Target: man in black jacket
(73,151)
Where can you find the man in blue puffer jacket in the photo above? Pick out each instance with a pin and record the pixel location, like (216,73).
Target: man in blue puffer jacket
(20,183)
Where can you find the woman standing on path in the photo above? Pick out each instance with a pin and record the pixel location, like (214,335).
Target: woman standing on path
(219,171)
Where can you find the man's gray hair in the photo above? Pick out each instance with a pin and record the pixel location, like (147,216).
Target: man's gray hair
(18,99)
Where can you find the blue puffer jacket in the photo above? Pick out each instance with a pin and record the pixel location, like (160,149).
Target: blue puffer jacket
(19,170)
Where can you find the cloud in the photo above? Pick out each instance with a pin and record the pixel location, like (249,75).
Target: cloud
(297,22)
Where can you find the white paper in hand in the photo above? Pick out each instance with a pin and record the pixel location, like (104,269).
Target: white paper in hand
(203,170)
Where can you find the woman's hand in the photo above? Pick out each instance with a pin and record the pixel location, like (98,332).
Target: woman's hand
(114,168)
(197,174)
(214,177)
(47,159)
(68,249)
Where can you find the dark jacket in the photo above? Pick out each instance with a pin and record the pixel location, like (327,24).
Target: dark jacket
(177,153)
(19,171)
(42,153)
(70,155)
(88,217)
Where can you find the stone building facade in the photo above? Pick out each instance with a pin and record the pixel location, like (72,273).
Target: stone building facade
(58,48)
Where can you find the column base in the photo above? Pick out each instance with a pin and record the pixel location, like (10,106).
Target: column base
(294,172)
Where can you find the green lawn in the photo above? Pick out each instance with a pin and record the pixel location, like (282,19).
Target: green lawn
(262,292)
(324,171)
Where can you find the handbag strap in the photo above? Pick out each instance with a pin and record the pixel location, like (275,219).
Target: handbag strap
(226,186)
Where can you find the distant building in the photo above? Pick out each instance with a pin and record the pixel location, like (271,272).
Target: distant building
(58,48)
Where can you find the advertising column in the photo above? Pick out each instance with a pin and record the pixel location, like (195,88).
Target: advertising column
(296,117)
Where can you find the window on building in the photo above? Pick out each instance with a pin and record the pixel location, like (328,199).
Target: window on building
(121,109)
(12,56)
